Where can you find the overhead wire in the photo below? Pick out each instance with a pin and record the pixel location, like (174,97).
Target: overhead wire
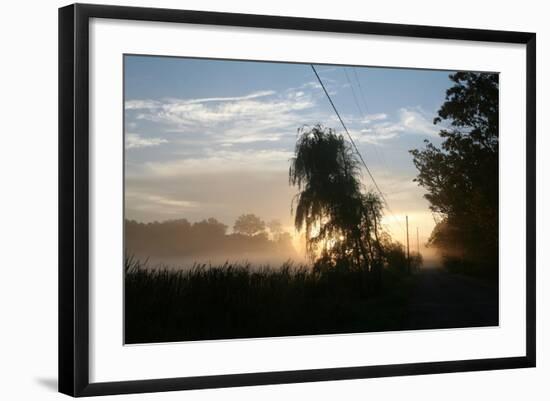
(354,145)
(360,109)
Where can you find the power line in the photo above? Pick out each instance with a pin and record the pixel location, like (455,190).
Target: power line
(361,92)
(380,154)
(360,109)
(347,132)
(360,88)
(353,143)
(353,92)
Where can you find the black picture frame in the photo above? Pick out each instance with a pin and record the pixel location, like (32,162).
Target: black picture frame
(74,200)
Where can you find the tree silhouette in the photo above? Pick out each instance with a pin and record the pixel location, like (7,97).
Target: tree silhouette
(337,216)
(461,177)
(249,224)
(208,238)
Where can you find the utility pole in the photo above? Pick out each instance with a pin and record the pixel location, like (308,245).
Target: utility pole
(408,254)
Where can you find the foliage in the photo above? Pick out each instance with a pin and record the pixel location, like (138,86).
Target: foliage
(249,224)
(181,238)
(461,176)
(342,224)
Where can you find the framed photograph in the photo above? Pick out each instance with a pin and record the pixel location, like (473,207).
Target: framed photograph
(250,199)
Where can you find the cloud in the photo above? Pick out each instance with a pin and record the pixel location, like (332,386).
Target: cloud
(374,117)
(260,116)
(307,85)
(220,160)
(223,195)
(185,114)
(379,128)
(253,138)
(379,134)
(169,205)
(155,104)
(141,104)
(417,122)
(258,110)
(135,141)
(252,95)
(178,203)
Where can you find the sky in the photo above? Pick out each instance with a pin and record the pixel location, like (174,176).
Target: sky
(213,138)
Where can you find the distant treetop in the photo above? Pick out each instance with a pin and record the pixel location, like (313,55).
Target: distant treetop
(249,224)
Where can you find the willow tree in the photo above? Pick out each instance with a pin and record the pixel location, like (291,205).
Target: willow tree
(341,223)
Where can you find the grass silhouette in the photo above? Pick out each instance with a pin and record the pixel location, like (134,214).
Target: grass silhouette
(241,301)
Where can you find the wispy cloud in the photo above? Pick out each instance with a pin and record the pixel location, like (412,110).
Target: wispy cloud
(379,127)
(220,160)
(254,117)
(186,112)
(146,202)
(253,138)
(369,118)
(156,104)
(138,104)
(417,121)
(134,141)
(253,95)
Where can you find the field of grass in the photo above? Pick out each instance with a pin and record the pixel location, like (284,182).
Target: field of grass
(237,301)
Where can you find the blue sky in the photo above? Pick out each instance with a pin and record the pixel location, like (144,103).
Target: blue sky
(213,138)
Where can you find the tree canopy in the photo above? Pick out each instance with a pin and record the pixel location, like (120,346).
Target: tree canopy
(338,217)
(201,240)
(461,176)
(249,224)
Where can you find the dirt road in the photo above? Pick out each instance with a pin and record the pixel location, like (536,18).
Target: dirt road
(444,300)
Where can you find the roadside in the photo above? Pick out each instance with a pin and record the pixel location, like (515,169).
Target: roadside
(441,299)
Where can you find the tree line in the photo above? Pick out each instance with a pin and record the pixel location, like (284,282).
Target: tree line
(182,238)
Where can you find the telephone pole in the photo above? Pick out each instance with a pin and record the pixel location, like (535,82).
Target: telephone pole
(408,254)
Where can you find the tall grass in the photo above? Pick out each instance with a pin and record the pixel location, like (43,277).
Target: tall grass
(239,300)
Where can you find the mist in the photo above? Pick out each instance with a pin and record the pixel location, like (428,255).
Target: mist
(180,244)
